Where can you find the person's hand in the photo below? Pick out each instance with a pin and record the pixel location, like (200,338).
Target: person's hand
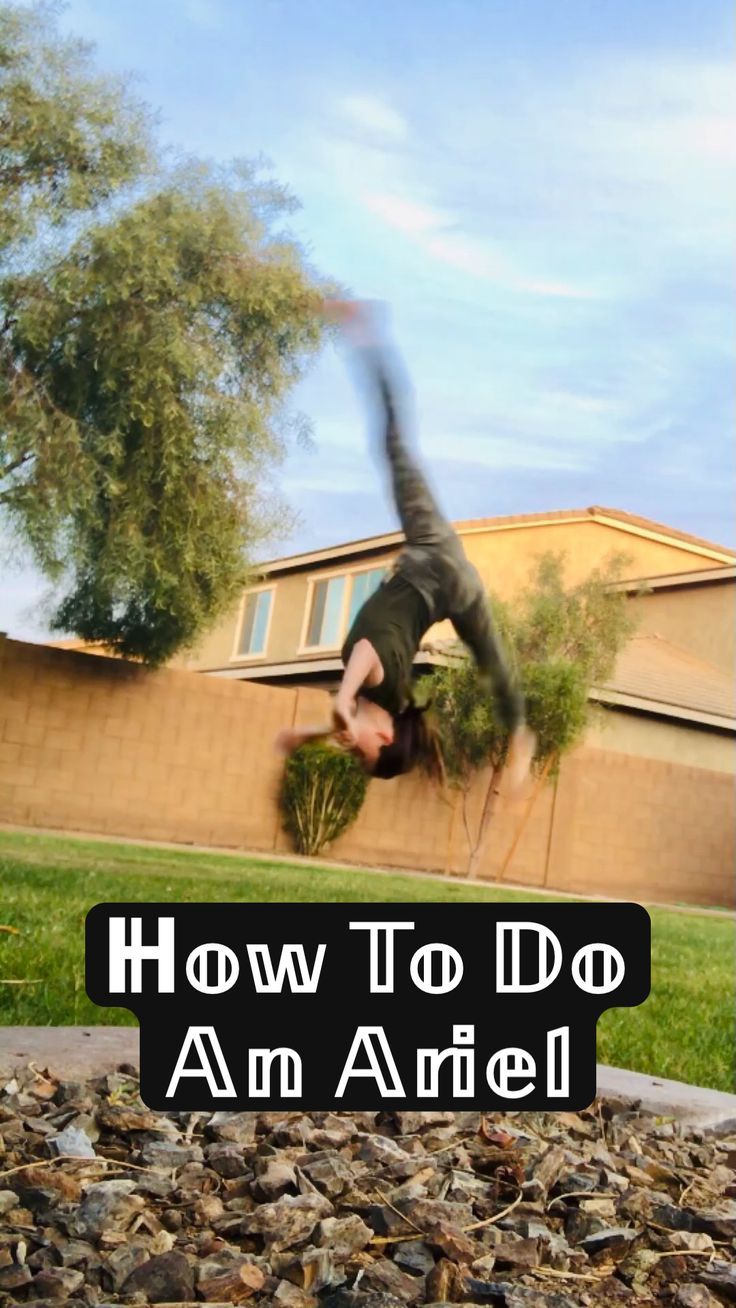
(522,747)
(343,714)
(285,742)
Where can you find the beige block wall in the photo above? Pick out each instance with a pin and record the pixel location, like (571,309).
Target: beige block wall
(102,745)
(626,822)
(99,745)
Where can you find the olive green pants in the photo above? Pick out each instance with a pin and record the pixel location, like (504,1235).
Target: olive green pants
(433,559)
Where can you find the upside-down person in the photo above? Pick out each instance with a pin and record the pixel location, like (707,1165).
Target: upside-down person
(374,714)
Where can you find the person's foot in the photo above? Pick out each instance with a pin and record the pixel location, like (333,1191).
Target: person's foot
(360,320)
(340,311)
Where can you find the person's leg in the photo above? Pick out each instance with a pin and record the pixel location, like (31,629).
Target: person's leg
(422,521)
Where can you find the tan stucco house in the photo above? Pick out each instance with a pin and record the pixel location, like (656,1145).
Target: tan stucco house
(290,624)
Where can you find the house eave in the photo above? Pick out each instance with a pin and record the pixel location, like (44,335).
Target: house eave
(332,666)
(660,709)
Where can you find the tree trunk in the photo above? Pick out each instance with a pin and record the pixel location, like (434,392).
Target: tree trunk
(466,822)
(489,805)
(524,818)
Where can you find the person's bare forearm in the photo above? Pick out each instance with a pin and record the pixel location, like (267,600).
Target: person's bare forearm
(364,668)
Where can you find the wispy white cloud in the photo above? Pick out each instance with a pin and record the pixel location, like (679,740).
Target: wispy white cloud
(375,115)
(440,237)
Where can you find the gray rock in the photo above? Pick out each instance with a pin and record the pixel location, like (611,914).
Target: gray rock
(288,1222)
(691,1240)
(414,1256)
(344,1298)
(288,1295)
(14,1276)
(410,1123)
(294,1131)
(168,1155)
(72,1141)
(379,1149)
(166,1278)
(227,1259)
(424,1211)
(611,1237)
(274,1179)
(493,1292)
(518,1253)
(226,1159)
(57,1282)
(720,1225)
(312,1269)
(124,1260)
(333,1132)
(233,1128)
(329,1173)
(694,1296)
(720,1277)
(155,1185)
(77,1253)
(107,1206)
(575,1183)
(385,1277)
(345,1236)
(283,1208)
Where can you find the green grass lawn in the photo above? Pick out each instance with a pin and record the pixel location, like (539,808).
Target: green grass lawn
(684,1030)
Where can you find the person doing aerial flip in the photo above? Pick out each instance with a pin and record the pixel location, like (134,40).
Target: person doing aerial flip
(374,715)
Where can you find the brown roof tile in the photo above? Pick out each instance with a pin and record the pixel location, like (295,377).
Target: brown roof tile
(596,511)
(650,668)
(592,513)
(649,525)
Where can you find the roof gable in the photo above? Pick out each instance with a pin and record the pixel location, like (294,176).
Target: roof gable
(618,519)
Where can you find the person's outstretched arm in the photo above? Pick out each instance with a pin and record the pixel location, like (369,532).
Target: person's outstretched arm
(476,628)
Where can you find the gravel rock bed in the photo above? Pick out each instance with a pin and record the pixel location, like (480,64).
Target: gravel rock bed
(104,1202)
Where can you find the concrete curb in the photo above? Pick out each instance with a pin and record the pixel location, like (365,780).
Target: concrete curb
(81,1051)
(693,1105)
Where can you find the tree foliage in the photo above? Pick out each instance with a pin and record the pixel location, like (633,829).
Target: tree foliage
(152,323)
(563,640)
(323,790)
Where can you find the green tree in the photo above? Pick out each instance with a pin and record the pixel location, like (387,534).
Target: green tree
(563,641)
(152,323)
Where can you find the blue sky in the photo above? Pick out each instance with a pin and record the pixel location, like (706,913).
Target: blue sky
(543,193)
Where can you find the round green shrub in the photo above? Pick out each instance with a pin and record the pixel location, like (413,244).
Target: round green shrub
(322,792)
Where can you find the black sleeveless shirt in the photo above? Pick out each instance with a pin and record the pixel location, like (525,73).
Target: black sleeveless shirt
(393,619)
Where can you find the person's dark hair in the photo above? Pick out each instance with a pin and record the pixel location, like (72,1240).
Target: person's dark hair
(416,743)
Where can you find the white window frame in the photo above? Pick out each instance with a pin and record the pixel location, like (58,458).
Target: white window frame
(236,656)
(349,574)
